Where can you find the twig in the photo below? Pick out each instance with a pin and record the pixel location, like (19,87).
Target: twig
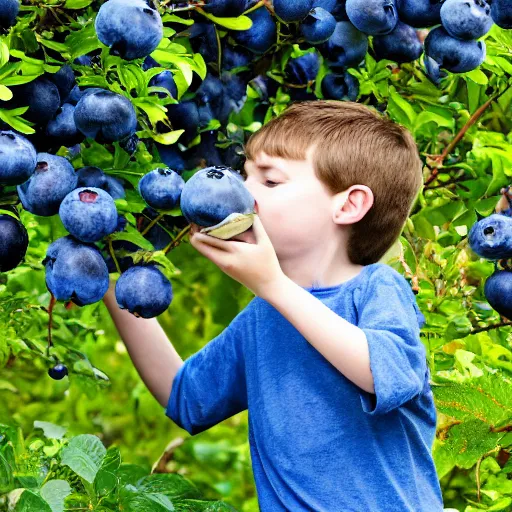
(159,465)
(113,255)
(157,219)
(177,240)
(50,318)
(477,474)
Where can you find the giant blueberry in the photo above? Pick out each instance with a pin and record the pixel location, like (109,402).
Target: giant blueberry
(374,17)
(89,214)
(8,11)
(75,271)
(292,11)
(491,237)
(346,47)
(501,12)
(105,116)
(262,34)
(144,291)
(444,51)
(419,13)
(13,242)
(161,188)
(466,19)
(53,179)
(318,26)
(17,158)
(498,292)
(214,193)
(400,45)
(132,28)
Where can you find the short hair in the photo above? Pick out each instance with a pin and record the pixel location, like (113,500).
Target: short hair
(354,145)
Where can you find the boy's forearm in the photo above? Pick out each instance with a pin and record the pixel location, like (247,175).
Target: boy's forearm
(343,344)
(154,357)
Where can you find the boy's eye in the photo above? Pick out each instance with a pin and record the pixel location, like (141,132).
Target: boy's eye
(271,183)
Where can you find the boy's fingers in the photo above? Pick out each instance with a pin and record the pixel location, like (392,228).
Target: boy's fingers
(212,241)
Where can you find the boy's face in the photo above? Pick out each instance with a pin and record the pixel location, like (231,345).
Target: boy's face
(294,206)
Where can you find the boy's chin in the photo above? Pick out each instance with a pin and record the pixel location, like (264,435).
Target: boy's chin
(247,236)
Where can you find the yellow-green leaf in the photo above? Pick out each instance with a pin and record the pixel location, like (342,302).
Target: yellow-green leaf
(5,93)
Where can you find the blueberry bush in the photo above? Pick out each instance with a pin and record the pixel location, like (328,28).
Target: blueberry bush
(108,109)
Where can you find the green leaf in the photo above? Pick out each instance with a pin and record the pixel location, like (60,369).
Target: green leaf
(401,109)
(4,54)
(55,492)
(83,41)
(478,76)
(134,237)
(240,23)
(17,123)
(167,138)
(31,502)
(51,431)
(11,214)
(84,455)
(150,503)
(77,4)
(431,117)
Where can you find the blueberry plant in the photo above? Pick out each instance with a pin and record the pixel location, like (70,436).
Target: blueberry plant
(122,122)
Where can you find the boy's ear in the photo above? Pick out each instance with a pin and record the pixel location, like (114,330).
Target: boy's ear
(351,205)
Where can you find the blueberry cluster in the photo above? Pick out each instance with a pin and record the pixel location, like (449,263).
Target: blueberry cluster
(491,238)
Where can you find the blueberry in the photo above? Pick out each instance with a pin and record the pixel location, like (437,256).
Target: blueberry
(303,69)
(419,13)
(223,8)
(203,39)
(292,11)
(13,242)
(75,271)
(83,60)
(132,28)
(124,262)
(346,47)
(114,187)
(63,126)
(498,292)
(373,17)
(444,51)
(64,79)
(214,193)
(234,57)
(53,179)
(105,116)
(491,237)
(89,214)
(91,177)
(42,98)
(501,12)
(161,188)
(156,235)
(149,63)
(17,158)
(8,11)
(171,156)
(184,116)
(164,79)
(262,35)
(328,5)
(206,153)
(466,19)
(318,26)
(58,372)
(144,291)
(340,87)
(234,155)
(75,95)
(400,45)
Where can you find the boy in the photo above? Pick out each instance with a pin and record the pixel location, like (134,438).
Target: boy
(327,357)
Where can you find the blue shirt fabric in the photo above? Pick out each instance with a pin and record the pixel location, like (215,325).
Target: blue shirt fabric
(318,441)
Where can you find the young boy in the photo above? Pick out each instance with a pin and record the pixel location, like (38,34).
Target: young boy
(327,357)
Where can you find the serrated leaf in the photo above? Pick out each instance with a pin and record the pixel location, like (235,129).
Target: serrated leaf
(51,431)
(55,492)
(84,455)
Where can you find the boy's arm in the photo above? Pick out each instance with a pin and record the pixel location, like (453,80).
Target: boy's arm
(154,357)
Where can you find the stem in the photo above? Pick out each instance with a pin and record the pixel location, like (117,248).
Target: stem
(50,318)
(219,52)
(477,472)
(490,327)
(113,255)
(158,218)
(177,240)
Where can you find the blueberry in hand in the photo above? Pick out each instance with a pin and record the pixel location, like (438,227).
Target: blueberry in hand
(292,11)
(444,51)
(132,28)
(58,372)
(302,70)
(491,237)
(63,126)
(317,26)
(13,242)
(161,188)
(89,214)
(400,45)
(144,291)
(501,12)
(346,47)
(466,19)
(105,116)
(53,179)
(17,158)
(373,17)
(498,292)
(419,13)
(263,33)
(75,271)
(214,193)
(8,11)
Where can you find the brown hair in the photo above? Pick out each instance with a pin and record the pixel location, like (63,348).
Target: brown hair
(355,145)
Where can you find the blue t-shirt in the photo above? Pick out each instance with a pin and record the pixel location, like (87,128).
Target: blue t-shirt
(318,441)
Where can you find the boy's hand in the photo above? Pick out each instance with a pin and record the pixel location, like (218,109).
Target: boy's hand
(250,258)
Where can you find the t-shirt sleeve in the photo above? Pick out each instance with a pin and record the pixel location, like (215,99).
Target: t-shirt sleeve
(211,384)
(391,321)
